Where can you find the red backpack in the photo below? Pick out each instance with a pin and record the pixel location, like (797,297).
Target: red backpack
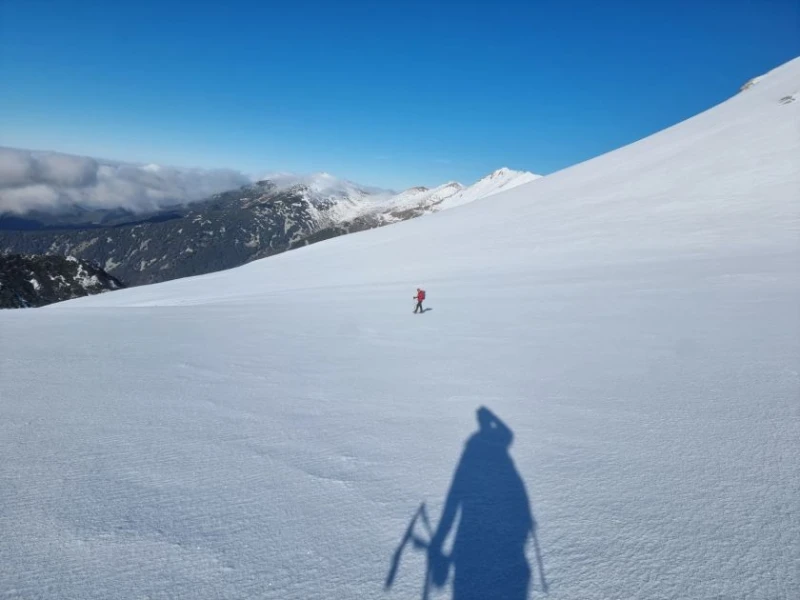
(421,295)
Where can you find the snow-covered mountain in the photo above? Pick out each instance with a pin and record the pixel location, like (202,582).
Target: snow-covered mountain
(420,200)
(423,199)
(290,430)
(494,183)
(340,200)
(335,200)
(231,228)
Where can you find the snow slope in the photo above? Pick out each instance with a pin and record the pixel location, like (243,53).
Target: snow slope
(269,431)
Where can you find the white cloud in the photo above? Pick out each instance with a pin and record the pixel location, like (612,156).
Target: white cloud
(16,168)
(51,181)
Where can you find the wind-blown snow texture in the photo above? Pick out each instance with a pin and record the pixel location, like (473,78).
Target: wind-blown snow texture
(269,431)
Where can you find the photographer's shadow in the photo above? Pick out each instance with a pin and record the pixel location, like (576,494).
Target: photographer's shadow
(488,511)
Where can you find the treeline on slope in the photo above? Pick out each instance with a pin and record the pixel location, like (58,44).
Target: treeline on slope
(31,281)
(226,231)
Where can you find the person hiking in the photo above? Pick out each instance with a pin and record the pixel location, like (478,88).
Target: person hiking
(419,298)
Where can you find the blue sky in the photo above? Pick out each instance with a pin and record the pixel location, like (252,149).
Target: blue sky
(385,93)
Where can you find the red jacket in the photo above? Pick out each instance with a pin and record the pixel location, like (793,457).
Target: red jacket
(421,295)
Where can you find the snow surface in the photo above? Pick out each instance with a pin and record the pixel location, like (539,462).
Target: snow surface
(269,431)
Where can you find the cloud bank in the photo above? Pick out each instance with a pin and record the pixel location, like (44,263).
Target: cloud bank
(54,182)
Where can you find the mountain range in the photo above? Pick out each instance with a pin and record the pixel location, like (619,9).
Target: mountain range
(234,227)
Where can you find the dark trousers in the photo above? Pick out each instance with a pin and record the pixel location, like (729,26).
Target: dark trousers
(419,307)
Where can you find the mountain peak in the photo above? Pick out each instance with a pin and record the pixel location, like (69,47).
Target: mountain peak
(505,173)
(501,172)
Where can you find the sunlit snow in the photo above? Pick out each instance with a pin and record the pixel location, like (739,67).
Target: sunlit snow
(279,430)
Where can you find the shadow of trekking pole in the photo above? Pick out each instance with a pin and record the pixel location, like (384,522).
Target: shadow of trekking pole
(418,543)
(539,561)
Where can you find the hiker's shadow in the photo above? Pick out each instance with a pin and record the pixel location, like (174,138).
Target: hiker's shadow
(488,511)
